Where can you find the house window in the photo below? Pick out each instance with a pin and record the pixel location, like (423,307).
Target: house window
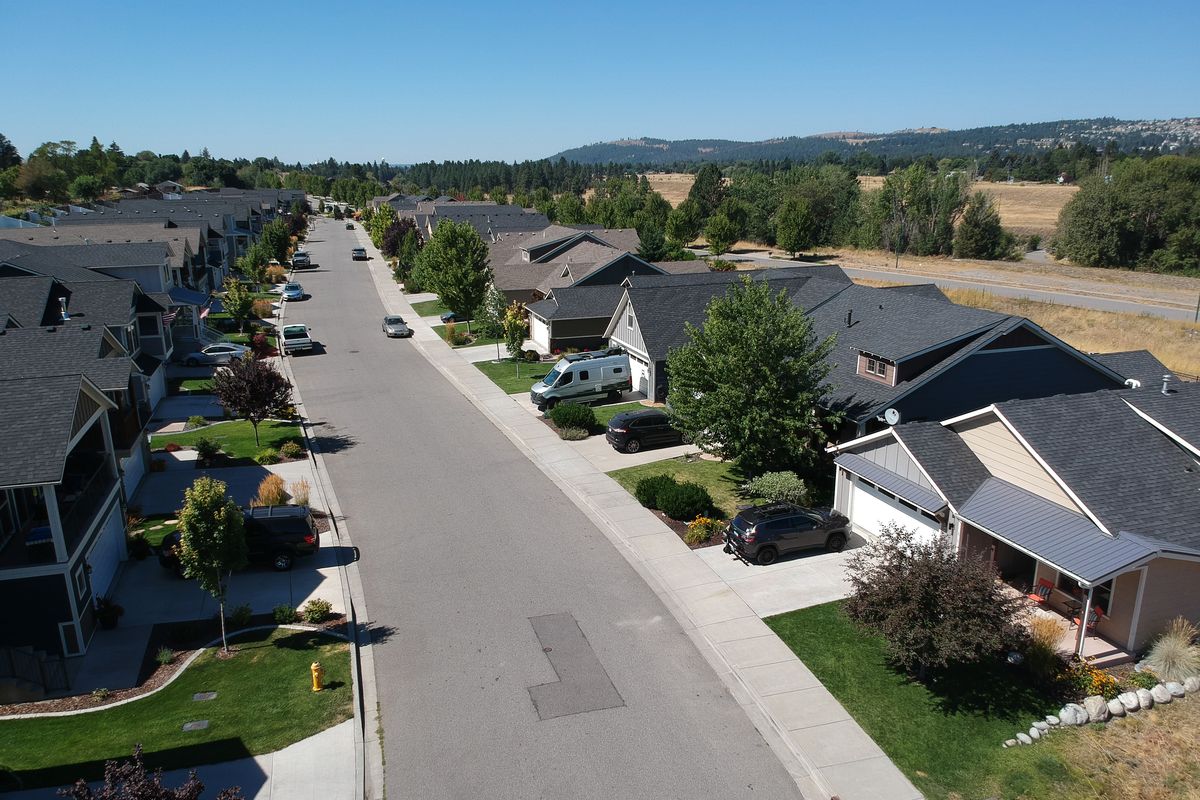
(876,367)
(629,319)
(147,326)
(81,580)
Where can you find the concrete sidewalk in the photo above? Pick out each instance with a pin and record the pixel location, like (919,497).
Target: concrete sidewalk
(311,769)
(826,752)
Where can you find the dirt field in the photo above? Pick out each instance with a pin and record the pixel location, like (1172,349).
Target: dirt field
(1025,208)
(674,186)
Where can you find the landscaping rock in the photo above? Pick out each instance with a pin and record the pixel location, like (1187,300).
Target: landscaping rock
(1023,738)
(1042,726)
(1035,734)
(1116,708)
(1010,742)
(1073,714)
(1160,694)
(1175,688)
(1052,720)
(1191,684)
(1130,701)
(1145,699)
(1097,708)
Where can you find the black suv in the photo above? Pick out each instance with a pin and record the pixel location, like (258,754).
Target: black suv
(763,533)
(630,431)
(274,534)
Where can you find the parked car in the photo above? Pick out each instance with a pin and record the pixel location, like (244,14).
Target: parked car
(301,259)
(631,431)
(292,291)
(214,354)
(396,328)
(349,226)
(276,535)
(453,316)
(763,533)
(296,338)
(358,254)
(583,376)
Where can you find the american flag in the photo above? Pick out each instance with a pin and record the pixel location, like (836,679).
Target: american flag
(169,317)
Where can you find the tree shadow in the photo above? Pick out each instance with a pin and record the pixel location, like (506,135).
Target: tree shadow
(380,634)
(331,442)
(993,688)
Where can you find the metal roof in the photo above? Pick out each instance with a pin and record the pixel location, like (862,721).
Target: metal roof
(902,487)
(1066,540)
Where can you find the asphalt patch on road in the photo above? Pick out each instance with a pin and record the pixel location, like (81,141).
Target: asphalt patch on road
(582,684)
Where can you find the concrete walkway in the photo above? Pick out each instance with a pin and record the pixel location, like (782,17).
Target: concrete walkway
(311,769)
(826,752)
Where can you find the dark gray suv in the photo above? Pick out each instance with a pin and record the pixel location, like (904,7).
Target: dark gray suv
(763,533)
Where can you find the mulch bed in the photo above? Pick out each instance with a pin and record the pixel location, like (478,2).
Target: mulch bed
(680,530)
(322,520)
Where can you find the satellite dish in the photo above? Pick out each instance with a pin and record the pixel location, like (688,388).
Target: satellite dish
(891,416)
(1133,383)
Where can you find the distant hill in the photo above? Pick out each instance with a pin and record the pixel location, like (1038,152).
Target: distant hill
(1029,136)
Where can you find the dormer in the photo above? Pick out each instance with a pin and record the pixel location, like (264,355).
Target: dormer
(876,368)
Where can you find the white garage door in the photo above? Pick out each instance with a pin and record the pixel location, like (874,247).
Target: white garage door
(539,332)
(872,507)
(640,374)
(107,553)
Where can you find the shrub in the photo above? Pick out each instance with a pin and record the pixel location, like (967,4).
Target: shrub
(276,274)
(284,614)
(101,694)
(259,345)
(300,491)
(1142,680)
(291,449)
(1174,655)
(701,530)
(572,434)
(137,545)
(240,616)
(1034,243)
(532,356)
(270,493)
(133,517)
(1041,654)
(573,415)
(164,656)
(262,309)
(207,448)
(1083,679)
(785,487)
(685,501)
(267,455)
(172,447)
(720,265)
(648,489)
(316,611)
(195,421)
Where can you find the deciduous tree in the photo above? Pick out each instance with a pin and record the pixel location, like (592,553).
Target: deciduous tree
(979,234)
(212,540)
(794,226)
(454,264)
(684,222)
(720,232)
(237,301)
(516,328)
(252,390)
(131,780)
(708,190)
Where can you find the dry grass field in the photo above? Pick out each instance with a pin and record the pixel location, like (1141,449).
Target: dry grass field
(674,186)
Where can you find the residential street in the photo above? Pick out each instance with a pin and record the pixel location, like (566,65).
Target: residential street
(480,575)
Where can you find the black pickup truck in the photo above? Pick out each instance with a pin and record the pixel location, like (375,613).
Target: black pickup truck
(276,535)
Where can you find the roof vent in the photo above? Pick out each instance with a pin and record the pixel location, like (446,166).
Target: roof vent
(850,318)
(1166,382)
(62,304)
(1133,383)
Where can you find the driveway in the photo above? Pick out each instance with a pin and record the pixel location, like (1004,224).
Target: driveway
(162,492)
(517,653)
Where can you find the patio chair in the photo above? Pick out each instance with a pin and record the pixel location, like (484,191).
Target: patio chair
(1094,616)
(1041,592)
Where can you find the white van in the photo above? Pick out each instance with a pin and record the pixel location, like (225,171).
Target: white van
(582,377)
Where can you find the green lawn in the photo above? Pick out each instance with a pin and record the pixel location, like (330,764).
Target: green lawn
(196,385)
(440,330)
(716,476)
(236,438)
(244,338)
(513,377)
(429,308)
(264,702)
(947,742)
(605,413)
(156,528)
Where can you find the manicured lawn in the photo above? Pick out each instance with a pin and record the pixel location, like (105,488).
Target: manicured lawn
(514,377)
(244,338)
(946,741)
(429,308)
(236,438)
(605,413)
(156,528)
(264,702)
(196,385)
(716,476)
(440,330)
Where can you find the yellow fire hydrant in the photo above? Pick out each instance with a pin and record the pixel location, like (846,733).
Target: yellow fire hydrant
(318,676)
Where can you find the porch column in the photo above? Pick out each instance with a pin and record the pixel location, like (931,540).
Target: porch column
(1084,612)
(50,498)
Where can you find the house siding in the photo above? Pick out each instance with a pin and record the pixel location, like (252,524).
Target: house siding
(1006,458)
(624,336)
(1170,592)
(894,458)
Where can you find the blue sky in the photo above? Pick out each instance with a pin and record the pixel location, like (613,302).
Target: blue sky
(414,81)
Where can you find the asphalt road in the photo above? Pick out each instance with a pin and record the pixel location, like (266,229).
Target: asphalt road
(466,550)
(1096,301)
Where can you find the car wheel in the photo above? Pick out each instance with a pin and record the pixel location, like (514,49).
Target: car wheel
(191,362)
(282,562)
(614,395)
(836,542)
(632,446)
(767,555)
(550,404)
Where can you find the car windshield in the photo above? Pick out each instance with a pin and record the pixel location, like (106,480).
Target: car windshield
(394,321)
(292,287)
(551,376)
(295,332)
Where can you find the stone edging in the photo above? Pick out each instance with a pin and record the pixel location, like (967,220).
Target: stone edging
(1095,709)
(182,667)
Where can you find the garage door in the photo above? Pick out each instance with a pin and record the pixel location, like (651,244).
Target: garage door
(539,333)
(106,554)
(872,507)
(640,374)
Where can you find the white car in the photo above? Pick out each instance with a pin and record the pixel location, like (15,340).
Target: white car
(215,354)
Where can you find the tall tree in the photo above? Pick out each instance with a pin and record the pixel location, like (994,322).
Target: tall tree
(795,228)
(748,384)
(569,209)
(979,234)
(252,390)
(720,232)
(653,246)
(9,157)
(212,540)
(708,190)
(455,265)
(237,302)
(684,222)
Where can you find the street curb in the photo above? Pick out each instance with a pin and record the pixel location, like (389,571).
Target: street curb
(368,750)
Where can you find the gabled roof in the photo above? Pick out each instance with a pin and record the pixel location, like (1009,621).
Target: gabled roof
(1176,412)
(915,493)
(29,301)
(36,419)
(929,291)
(49,352)
(945,457)
(1141,365)
(579,302)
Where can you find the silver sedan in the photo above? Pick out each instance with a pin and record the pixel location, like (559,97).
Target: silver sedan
(214,354)
(396,328)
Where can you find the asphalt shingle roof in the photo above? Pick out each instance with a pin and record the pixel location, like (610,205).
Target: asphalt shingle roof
(45,352)
(35,443)
(1178,410)
(945,457)
(29,300)
(1141,365)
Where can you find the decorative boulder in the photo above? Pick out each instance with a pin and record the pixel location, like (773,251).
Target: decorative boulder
(1160,694)
(1175,688)
(1145,699)
(1042,726)
(1035,734)
(1097,708)
(1116,708)
(1023,738)
(1010,743)
(1130,701)
(1073,714)
(1191,684)
(1052,720)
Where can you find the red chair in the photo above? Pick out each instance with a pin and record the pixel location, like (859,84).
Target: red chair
(1094,616)
(1041,592)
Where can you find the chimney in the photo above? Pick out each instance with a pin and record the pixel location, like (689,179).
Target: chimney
(62,303)
(1166,381)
